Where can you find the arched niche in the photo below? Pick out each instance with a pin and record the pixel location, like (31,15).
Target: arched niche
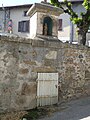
(47,26)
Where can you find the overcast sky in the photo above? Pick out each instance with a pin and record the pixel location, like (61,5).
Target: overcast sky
(18,2)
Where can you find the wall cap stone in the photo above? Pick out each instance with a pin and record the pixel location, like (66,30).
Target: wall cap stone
(51,43)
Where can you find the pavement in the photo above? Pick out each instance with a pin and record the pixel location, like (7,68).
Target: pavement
(74,110)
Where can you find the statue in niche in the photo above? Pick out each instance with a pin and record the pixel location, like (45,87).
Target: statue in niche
(45,29)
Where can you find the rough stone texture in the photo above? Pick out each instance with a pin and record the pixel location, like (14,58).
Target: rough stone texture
(13,115)
(21,60)
(40,19)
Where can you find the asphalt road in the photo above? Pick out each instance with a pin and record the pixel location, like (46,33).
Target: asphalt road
(73,110)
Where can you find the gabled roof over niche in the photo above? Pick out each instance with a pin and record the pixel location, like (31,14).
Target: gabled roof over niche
(44,20)
(44,7)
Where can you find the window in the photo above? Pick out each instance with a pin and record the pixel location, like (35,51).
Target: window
(25,13)
(23,26)
(60,25)
(0,27)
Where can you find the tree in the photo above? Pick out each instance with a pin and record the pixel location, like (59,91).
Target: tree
(82,21)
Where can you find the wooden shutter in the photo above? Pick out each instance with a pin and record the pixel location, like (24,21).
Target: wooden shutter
(60,24)
(23,26)
(20,26)
(27,26)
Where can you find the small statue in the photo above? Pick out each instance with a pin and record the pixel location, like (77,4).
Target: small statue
(45,29)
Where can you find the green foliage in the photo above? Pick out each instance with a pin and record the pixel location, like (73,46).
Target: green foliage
(74,16)
(86,4)
(82,21)
(69,4)
(35,114)
(76,20)
(89,18)
(32,114)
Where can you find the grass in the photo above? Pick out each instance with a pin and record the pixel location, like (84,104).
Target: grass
(34,114)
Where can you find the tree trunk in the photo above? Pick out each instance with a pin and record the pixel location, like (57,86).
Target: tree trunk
(81,37)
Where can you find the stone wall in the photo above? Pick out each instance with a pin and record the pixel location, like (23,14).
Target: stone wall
(75,71)
(22,59)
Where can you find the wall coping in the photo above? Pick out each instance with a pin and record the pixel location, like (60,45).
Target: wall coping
(53,43)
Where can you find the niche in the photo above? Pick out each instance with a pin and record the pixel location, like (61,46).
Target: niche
(47,26)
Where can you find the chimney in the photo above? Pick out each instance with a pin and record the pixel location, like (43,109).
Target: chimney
(45,0)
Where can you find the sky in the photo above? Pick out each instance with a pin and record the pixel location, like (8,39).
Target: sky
(18,2)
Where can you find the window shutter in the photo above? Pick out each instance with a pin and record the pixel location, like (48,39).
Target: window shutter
(60,24)
(19,26)
(23,26)
(27,26)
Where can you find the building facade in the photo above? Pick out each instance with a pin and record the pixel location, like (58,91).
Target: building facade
(68,29)
(15,20)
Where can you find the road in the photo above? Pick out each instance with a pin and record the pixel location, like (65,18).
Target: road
(73,110)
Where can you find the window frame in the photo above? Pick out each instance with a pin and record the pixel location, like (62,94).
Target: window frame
(23,26)
(25,13)
(60,24)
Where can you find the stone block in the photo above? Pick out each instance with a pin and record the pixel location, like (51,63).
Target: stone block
(28,89)
(23,71)
(87,74)
(29,62)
